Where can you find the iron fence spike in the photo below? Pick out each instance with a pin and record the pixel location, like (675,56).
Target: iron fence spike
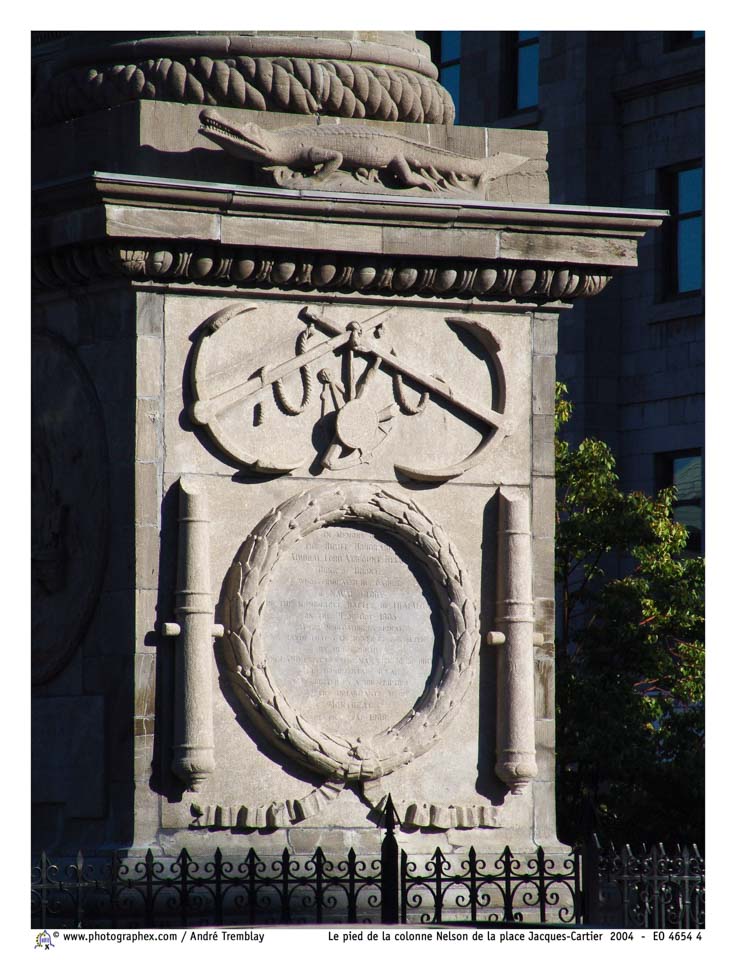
(390,818)
(641,885)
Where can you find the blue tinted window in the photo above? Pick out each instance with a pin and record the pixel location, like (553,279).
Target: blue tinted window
(450,45)
(527,91)
(450,80)
(684,471)
(687,477)
(528,34)
(690,190)
(687,229)
(690,255)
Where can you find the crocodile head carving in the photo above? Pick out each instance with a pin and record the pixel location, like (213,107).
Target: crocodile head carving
(247,140)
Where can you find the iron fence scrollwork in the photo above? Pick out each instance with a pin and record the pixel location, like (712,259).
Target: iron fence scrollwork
(649,888)
(541,890)
(596,887)
(187,892)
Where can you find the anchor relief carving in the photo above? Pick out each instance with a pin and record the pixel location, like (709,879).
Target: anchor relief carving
(348,378)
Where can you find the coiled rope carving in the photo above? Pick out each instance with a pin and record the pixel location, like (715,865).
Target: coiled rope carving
(336,757)
(406,405)
(285,84)
(279,392)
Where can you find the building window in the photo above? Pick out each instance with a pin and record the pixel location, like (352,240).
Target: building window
(523,70)
(683,470)
(683,195)
(445,48)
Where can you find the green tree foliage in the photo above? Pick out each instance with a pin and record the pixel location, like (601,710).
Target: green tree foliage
(630,656)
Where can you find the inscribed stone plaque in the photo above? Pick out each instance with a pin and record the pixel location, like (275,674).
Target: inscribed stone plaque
(348,629)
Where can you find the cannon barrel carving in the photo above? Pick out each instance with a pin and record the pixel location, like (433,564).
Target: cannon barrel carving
(194,756)
(516,761)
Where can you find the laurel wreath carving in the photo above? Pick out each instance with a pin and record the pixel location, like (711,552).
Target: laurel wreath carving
(284,84)
(336,757)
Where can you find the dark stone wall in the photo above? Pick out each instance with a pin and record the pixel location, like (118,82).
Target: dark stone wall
(85,605)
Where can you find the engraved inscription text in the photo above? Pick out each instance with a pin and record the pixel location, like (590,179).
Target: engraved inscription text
(348,630)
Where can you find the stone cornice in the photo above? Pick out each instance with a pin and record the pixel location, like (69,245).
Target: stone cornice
(100,187)
(150,229)
(310,270)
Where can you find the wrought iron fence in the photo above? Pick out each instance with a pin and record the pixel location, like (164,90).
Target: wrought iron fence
(650,888)
(601,888)
(509,891)
(185,892)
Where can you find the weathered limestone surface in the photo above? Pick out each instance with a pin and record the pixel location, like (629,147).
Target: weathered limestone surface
(327,418)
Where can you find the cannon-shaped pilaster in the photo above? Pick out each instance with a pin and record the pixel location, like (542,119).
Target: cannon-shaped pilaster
(516,761)
(194,757)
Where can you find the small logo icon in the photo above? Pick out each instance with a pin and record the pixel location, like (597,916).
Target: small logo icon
(44,940)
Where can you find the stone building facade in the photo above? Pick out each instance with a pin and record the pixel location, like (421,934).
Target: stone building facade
(625,116)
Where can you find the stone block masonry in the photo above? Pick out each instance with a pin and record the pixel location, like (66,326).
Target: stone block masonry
(324,375)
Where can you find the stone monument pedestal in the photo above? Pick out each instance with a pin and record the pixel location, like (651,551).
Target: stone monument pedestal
(321,403)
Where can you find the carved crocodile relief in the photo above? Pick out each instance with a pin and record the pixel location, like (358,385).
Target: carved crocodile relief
(370,155)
